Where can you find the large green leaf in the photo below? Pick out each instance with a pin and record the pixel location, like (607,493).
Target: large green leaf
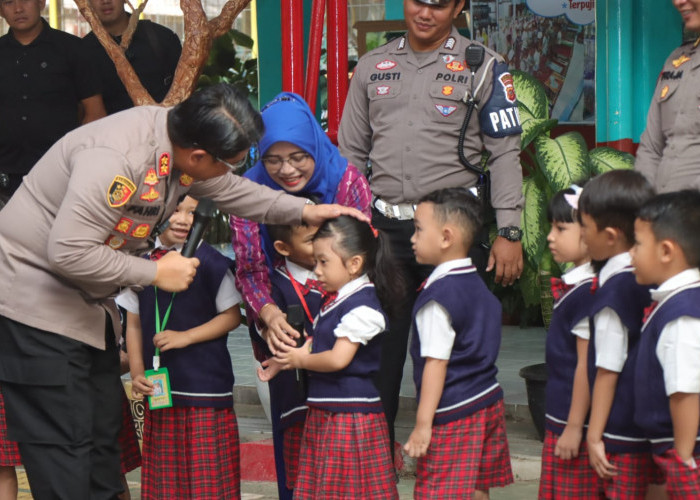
(534,220)
(563,160)
(604,159)
(531,94)
(532,127)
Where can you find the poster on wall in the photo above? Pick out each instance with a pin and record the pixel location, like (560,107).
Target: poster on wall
(553,40)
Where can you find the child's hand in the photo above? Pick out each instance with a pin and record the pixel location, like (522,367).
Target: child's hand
(569,443)
(294,357)
(170,339)
(419,441)
(140,386)
(270,368)
(598,460)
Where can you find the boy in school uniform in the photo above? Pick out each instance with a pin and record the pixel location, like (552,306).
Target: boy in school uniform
(293,282)
(667,253)
(460,436)
(618,450)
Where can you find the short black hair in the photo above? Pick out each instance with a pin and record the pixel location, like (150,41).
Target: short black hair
(676,217)
(460,206)
(219,119)
(559,209)
(280,232)
(613,199)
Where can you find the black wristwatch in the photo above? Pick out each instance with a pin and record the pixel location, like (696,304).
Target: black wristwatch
(511,233)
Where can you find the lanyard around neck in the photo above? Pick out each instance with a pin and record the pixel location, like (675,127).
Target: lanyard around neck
(160,325)
(300,294)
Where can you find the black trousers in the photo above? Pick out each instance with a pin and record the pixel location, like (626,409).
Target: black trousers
(63,408)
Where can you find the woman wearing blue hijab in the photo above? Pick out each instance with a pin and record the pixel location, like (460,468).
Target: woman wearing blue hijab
(296,156)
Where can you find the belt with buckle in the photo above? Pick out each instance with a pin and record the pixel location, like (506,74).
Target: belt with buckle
(401,211)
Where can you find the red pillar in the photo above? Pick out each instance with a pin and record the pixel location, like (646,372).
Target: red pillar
(337,34)
(292,14)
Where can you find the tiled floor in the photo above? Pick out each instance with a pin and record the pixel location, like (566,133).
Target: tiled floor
(519,347)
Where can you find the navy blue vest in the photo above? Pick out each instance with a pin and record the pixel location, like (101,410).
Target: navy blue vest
(475,314)
(561,354)
(627,298)
(652,411)
(292,405)
(200,374)
(351,389)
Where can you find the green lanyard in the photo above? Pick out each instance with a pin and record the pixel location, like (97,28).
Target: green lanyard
(160,326)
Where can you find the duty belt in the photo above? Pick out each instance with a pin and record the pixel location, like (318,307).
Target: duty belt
(400,211)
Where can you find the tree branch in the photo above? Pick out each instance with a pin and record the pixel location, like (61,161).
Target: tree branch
(131,27)
(223,22)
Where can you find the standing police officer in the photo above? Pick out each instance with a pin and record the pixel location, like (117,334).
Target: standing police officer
(670,146)
(403,116)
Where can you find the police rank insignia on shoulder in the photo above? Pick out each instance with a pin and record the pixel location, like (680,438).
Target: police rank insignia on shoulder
(164,164)
(150,195)
(115,242)
(450,43)
(120,191)
(151,177)
(124,225)
(186,180)
(141,231)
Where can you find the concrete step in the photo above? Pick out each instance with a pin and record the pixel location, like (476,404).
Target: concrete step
(257,460)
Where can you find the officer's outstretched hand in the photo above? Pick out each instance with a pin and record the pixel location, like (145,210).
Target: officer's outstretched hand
(507,258)
(175,272)
(314,215)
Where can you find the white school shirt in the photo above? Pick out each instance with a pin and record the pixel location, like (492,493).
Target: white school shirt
(678,347)
(582,329)
(361,324)
(611,336)
(433,321)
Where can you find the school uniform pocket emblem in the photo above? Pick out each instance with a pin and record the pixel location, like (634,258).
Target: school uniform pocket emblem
(445,110)
(120,191)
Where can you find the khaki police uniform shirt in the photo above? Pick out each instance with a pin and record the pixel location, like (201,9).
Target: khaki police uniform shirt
(405,117)
(72,233)
(669,150)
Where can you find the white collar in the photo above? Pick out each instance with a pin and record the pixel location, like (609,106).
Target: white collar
(614,265)
(352,286)
(578,274)
(299,273)
(159,243)
(675,282)
(444,268)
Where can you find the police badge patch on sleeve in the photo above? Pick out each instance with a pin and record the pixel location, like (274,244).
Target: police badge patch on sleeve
(499,116)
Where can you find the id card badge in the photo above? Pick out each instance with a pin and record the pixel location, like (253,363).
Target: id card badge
(162,398)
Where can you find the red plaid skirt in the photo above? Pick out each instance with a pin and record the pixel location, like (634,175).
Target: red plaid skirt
(190,453)
(292,445)
(9,454)
(566,479)
(466,455)
(130,457)
(345,455)
(682,481)
(635,472)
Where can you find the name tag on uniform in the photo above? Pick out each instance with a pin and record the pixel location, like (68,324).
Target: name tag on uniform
(162,397)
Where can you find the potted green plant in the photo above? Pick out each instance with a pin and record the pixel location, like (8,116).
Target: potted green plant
(550,165)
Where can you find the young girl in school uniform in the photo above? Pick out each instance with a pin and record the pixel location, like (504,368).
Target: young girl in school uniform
(191,449)
(565,467)
(344,450)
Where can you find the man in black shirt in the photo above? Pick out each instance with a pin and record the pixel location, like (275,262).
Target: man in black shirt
(48,87)
(153,53)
